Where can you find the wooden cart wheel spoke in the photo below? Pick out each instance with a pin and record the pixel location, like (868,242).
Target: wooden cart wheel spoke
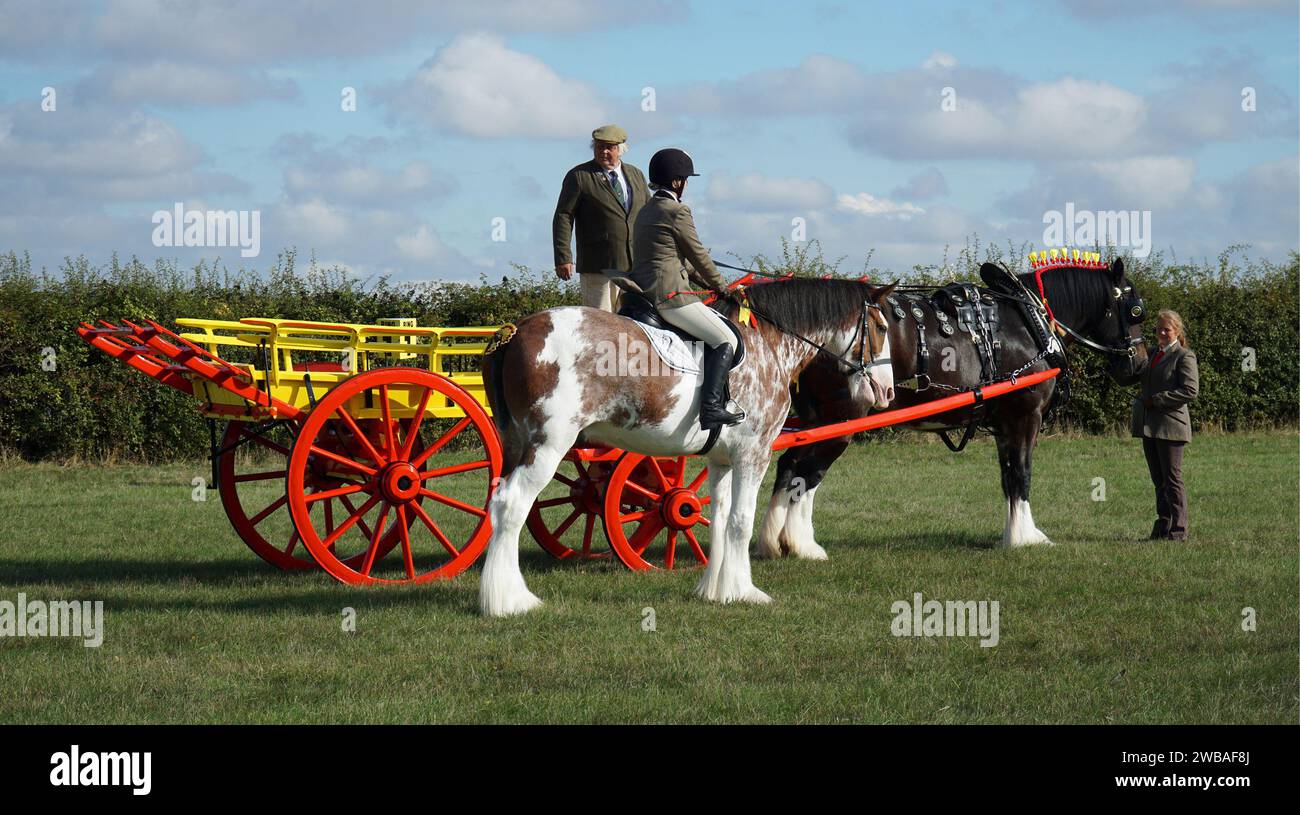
(293,541)
(266,476)
(272,507)
(419,460)
(360,436)
(413,428)
(635,516)
(352,519)
(553,502)
(644,534)
(337,493)
(586,535)
(567,522)
(695,546)
(454,469)
(663,479)
(361,523)
(568,482)
(434,528)
(386,410)
(408,559)
(637,488)
(329,516)
(694,486)
(452,502)
(671,550)
(346,462)
(373,549)
(681,471)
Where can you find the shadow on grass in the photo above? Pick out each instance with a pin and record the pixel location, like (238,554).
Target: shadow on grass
(914,539)
(274,589)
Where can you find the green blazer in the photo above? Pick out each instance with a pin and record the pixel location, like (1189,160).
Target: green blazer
(664,241)
(1171,384)
(604,229)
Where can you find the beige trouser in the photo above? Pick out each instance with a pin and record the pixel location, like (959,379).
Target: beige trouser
(701,322)
(599,291)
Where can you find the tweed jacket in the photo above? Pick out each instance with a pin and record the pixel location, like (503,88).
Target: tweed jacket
(664,242)
(1172,384)
(604,229)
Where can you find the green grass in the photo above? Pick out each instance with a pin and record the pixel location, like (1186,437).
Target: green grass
(1104,627)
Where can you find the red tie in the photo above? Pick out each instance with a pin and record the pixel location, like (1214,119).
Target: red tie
(1156,359)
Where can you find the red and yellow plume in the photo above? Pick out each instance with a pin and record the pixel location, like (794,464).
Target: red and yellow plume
(1052,258)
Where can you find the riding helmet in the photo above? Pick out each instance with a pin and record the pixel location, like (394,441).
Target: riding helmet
(670,164)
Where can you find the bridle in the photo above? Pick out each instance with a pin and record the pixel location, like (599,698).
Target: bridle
(861,337)
(1123,301)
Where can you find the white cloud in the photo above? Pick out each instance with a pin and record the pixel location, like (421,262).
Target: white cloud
(476,86)
(756,192)
(180,84)
(865,203)
(356,182)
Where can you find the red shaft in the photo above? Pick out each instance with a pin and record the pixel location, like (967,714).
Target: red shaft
(799,438)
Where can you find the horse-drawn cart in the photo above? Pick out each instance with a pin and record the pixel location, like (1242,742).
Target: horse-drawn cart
(345,444)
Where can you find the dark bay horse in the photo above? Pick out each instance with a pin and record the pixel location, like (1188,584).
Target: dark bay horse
(1099,306)
(553,381)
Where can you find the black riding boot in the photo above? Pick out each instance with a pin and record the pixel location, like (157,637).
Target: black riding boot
(713,391)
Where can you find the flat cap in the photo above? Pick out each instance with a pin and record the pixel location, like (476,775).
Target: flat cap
(610,133)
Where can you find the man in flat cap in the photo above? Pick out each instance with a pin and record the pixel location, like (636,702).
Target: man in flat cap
(603,196)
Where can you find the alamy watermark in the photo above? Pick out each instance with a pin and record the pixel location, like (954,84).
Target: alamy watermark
(635,356)
(953,618)
(1130,229)
(181,227)
(55,618)
(97,769)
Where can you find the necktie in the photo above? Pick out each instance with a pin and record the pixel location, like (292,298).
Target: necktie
(1156,359)
(618,189)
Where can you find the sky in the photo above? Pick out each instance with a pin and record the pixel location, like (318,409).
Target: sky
(427,141)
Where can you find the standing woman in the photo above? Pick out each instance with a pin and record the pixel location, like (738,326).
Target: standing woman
(1169,381)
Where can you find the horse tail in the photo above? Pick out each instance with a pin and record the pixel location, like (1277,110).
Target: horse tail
(494,363)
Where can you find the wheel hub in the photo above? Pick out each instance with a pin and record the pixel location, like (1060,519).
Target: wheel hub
(682,509)
(399,482)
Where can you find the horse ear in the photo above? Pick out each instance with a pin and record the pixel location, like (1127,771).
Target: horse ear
(1117,271)
(879,294)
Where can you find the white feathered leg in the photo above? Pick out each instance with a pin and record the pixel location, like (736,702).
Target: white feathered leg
(502,590)
(799,529)
(720,508)
(773,532)
(1020,529)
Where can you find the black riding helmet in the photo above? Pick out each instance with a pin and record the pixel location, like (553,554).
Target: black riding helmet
(670,164)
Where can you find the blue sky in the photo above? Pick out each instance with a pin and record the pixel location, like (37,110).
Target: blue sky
(470,111)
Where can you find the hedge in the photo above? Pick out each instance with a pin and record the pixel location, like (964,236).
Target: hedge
(91,407)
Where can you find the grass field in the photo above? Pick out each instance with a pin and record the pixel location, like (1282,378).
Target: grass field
(1105,627)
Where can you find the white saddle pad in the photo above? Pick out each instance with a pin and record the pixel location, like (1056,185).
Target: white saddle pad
(672,349)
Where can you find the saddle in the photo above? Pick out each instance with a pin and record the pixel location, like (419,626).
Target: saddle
(636,307)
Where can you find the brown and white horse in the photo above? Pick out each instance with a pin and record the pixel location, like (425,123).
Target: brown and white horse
(553,383)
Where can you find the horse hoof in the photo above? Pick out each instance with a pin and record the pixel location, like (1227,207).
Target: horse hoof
(753,595)
(509,606)
(811,551)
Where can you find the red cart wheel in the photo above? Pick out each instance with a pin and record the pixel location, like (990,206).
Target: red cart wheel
(654,511)
(389,480)
(578,508)
(255,501)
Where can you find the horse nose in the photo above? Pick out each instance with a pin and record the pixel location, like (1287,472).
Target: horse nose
(889,394)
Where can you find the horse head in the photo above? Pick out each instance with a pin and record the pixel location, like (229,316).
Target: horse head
(1121,327)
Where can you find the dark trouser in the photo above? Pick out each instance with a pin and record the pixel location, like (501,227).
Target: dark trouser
(1165,461)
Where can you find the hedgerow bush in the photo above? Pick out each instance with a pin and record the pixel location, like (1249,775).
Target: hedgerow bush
(91,407)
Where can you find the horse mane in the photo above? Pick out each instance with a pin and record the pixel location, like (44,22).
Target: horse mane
(804,304)
(1072,285)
